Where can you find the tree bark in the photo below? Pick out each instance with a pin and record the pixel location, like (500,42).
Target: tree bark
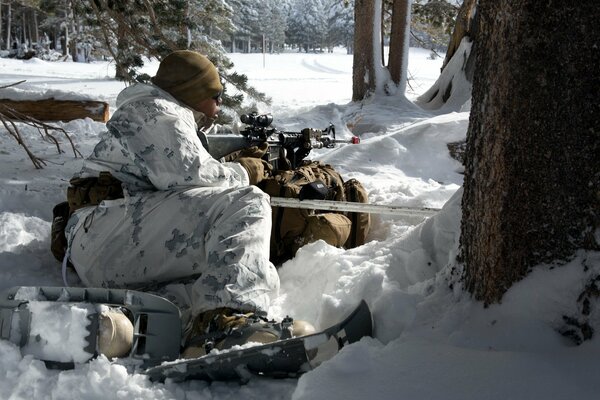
(1,25)
(398,35)
(532,173)
(121,69)
(363,70)
(58,110)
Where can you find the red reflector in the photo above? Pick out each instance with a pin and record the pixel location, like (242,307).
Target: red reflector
(355,140)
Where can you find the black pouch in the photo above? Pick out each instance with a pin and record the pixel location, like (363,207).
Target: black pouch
(58,240)
(316,190)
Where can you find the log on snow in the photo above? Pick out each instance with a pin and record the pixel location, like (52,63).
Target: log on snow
(59,110)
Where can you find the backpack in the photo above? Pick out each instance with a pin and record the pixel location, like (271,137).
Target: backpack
(82,192)
(293,228)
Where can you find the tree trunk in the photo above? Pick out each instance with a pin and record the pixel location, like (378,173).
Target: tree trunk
(531,175)
(465,26)
(382,32)
(29,30)
(58,110)
(8,23)
(36,28)
(1,25)
(121,66)
(363,70)
(72,43)
(26,34)
(56,40)
(64,41)
(398,41)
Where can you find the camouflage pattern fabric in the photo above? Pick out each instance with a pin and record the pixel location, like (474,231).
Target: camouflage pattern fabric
(184,214)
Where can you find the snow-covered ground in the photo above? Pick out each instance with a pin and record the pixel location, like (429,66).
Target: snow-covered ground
(432,341)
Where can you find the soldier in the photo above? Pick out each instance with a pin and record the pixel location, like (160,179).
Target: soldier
(195,227)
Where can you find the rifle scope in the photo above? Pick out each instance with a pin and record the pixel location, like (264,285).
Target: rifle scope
(256,120)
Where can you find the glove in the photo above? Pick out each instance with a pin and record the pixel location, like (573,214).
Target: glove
(257,168)
(253,151)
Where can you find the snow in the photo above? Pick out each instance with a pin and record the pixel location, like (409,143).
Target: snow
(453,77)
(432,341)
(50,338)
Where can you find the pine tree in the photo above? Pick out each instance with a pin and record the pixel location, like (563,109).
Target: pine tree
(245,20)
(155,28)
(340,23)
(275,25)
(307,25)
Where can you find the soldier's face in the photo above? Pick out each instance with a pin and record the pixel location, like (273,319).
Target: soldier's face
(210,107)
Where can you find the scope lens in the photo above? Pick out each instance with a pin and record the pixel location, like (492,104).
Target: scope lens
(264,120)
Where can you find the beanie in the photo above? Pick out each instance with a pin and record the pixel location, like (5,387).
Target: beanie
(188,76)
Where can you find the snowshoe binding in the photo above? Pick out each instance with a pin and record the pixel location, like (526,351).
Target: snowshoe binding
(225,328)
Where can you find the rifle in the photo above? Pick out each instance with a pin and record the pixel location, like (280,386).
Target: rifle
(286,149)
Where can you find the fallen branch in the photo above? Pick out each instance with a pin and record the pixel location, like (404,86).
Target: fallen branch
(59,110)
(9,117)
(11,84)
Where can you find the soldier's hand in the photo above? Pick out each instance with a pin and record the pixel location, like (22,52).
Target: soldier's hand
(253,152)
(257,168)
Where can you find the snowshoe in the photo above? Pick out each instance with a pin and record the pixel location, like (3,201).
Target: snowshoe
(64,326)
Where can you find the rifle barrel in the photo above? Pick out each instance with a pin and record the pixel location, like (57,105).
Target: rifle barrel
(346,206)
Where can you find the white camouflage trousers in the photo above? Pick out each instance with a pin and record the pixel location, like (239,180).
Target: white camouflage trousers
(219,237)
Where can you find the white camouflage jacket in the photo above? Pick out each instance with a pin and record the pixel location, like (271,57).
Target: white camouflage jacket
(148,125)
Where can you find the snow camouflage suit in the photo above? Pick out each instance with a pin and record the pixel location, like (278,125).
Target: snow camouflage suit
(183,215)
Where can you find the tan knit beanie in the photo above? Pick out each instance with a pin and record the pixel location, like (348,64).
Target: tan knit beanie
(189,76)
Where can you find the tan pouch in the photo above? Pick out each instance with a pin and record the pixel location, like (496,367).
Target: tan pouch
(331,227)
(85,192)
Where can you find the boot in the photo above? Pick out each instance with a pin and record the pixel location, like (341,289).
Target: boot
(224,328)
(115,334)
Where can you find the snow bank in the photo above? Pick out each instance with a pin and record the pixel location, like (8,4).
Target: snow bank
(432,341)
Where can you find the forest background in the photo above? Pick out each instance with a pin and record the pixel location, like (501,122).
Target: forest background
(128,31)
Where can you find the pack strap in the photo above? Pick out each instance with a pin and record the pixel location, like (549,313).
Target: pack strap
(65,261)
(354,220)
(279,218)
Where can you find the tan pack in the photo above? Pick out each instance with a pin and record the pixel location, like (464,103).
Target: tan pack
(293,228)
(83,192)
(331,227)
